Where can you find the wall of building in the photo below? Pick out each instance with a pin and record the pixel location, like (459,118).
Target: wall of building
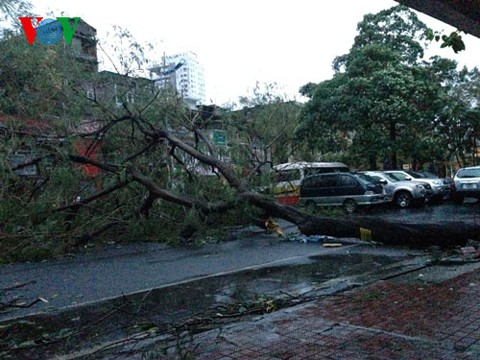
(188,80)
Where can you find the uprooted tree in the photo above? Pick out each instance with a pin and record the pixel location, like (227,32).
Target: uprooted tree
(108,156)
(89,155)
(148,164)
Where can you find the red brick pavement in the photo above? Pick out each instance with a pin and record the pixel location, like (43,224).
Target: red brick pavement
(385,320)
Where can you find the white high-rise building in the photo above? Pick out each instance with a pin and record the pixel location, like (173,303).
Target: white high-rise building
(185,74)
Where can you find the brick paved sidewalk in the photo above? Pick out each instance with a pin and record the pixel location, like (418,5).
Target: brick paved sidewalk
(393,319)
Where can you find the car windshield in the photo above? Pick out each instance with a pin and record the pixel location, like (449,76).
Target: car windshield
(369,178)
(360,179)
(468,173)
(429,175)
(391,177)
(423,175)
(398,176)
(287,175)
(415,175)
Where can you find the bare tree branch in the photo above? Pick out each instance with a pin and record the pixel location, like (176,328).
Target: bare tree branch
(210,147)
(28,163)
(75,206)
(85,160)
(157,192)
(140,152)
(144,210)
(223,168)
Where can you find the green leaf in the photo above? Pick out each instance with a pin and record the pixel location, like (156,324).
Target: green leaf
(429,34)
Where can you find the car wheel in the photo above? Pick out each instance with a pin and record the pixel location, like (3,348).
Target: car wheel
(310,206)
(403,199)
(349,206)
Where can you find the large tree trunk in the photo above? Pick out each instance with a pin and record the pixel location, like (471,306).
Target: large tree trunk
(392,232)
(372,160)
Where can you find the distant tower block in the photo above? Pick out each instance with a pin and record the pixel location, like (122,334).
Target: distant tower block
(184,74)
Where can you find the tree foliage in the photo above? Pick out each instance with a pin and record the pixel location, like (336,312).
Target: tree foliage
(32,78)
(397,29)
(458,123)
(10,10)
(383,102)
(133,163)
(453,40)
(130,162)
(266,124)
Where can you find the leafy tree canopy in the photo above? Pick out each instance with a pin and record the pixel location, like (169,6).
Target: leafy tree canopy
(11,9)
(383,100)
(397,29)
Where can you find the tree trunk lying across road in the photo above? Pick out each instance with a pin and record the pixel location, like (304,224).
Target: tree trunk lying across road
(391,232)
(394,232)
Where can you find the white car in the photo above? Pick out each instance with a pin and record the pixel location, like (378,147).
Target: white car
(466,183)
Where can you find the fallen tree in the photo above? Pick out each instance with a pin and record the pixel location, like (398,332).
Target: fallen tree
(132,188)
(393,232)
(157,165)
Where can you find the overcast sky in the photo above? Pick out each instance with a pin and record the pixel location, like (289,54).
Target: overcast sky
(290,42)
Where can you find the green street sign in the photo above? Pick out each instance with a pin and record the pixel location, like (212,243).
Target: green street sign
(219,137)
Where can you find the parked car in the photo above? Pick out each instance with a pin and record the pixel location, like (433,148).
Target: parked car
(443,185)
(339,189)
(440,188)
(403,193)
(466,183)
(288,177)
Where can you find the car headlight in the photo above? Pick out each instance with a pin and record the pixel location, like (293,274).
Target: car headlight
(419,186)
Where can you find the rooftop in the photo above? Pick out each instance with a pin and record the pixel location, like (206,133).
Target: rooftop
(464,15)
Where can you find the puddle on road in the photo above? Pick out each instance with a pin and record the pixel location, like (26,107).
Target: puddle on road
(195,297)
(175,304)
(272,280)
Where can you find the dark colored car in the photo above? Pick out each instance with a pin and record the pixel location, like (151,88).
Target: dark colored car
(340,189)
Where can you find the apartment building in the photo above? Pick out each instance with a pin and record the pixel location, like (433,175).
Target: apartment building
(184,74)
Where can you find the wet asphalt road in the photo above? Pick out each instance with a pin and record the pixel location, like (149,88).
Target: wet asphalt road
(114,271)
(434,213)
(152,283)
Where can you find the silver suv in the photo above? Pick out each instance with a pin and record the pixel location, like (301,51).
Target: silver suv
(403,193)
(440,188)
(466,183)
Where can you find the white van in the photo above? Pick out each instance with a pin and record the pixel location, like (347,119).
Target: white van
(288,177)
